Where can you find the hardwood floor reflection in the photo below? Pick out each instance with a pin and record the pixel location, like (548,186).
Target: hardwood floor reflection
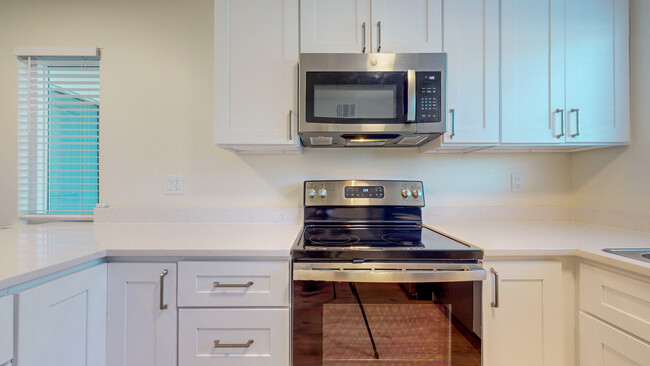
(329,329)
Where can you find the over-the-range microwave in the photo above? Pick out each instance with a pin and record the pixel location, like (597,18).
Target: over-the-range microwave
(374,99)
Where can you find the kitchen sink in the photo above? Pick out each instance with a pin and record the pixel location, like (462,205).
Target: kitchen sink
(642,254)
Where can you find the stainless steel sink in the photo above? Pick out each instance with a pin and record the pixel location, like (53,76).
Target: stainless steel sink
(642,254)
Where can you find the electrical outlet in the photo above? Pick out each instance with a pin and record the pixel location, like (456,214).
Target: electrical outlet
(516,182)
(174,184)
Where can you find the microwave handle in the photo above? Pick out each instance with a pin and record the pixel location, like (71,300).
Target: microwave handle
(410,96)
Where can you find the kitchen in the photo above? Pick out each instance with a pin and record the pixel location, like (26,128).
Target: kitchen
(160,101)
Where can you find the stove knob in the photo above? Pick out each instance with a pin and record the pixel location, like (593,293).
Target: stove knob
(406,193)
(311,193)
(416,193)
(322,193)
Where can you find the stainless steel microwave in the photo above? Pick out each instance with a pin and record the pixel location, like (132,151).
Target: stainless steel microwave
(376,99)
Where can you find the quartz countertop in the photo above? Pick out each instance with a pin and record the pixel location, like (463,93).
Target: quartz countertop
(32,251)
(519,239)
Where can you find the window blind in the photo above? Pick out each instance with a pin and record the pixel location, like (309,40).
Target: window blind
(58,135)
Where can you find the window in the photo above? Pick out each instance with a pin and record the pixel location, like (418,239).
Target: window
(58,135)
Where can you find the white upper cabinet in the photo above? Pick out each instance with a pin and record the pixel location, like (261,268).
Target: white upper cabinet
(334,26)
(597,70)
(565,72)
(471,41)
(532,71)
(256,75)
(344,26)
(406,26)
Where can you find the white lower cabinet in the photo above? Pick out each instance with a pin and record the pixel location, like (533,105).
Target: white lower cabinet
(141,325)
(604,345)
(63,322)
(234,337)
(622,301)
(522,313)
(6,329)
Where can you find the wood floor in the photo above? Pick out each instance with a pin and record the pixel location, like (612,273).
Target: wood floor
(330,330)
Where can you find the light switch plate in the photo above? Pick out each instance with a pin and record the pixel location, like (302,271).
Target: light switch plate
(174,184)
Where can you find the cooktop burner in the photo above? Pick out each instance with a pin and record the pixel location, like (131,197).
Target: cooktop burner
(364,236)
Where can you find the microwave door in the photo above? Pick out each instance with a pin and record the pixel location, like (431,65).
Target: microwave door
(353,98)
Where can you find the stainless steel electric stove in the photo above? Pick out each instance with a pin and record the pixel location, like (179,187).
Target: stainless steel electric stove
(367,274)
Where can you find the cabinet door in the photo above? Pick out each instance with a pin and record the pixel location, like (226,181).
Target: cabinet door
(603,345)
(256,74)
(63,322)
(471,41)
(334,26)
(597,70)
(406,25)
(532,71)
(526,326)
(6,329)
(139,331)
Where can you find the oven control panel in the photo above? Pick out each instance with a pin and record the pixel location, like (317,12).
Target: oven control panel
(428,96)
(363,193)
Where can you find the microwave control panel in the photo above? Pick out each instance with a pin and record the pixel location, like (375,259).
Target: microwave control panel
(428,100)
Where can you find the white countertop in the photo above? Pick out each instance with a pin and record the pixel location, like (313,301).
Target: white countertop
(552,240)
(33,251)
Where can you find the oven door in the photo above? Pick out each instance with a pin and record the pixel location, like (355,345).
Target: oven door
(383,319)
(360,98)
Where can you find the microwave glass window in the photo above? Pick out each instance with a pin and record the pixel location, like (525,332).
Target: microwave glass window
(355,101)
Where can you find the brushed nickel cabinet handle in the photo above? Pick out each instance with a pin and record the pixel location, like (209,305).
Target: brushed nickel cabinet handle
(163,306)
(378,36)
(495,303)
(217,284)
(577,122)
(218,344)
(561,111)
(453,123)
(363,33)
(290,124)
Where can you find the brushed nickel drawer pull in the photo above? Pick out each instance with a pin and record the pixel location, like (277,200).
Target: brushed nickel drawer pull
(217,344)
(163,306)
(247,284)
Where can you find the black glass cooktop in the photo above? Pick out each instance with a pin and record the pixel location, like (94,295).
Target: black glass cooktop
(379,242)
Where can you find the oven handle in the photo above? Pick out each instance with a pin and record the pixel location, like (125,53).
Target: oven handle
(388,276)
(410,101)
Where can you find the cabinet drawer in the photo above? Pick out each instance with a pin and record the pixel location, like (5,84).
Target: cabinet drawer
(6,329)
(618,299)
(233,283)
(246,337)
(602,344)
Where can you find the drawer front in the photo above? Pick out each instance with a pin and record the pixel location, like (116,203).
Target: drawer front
(602,344)
(618,299)
(6,329)
(233,283)
(246,337)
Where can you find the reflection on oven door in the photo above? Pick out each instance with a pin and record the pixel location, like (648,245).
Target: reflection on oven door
(346,323)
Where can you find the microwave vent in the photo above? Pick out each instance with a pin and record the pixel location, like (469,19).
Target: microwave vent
(320,140)
(346,110)
(411,140)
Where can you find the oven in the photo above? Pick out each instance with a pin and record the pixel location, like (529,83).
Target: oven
(386,100)
(373,285)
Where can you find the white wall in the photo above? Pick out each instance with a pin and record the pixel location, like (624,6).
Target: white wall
(157,119)
(619,178)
